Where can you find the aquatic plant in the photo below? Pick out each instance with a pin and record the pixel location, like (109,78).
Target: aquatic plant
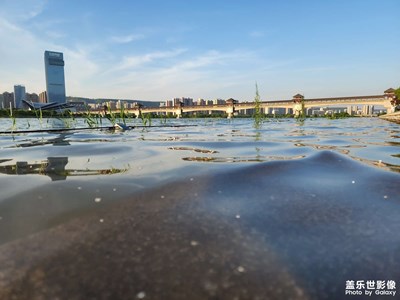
(13,119)
(146,119)
(163,119)
(89,119)
(111,116)
(122,113)
(66,117)
(39,116)
(258,115)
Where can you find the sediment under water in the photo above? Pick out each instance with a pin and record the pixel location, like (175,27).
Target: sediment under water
(220,211)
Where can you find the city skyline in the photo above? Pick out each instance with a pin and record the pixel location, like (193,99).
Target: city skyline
(161,50)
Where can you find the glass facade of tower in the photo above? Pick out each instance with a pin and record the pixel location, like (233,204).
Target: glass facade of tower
(55,80)
(19,95)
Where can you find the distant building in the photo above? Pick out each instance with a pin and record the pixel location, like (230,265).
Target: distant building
(43,97)
(55,80)
(8,100)
(231,101)
(79,105)
(112,104)
(219,102)
(185,101)
(352,110)
(368,110)
(19,95)
(169,103)
(31,98)
(176,101)
(201,101)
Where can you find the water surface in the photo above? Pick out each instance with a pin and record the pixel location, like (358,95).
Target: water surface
(215,209)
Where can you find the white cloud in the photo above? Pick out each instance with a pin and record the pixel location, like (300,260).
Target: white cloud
(135,61)
(21,60)
(81,72)
(37,8)
(20,63)
(51,28)
(93,70)
(125,39)
(202,75)
(213,58)
(22,11)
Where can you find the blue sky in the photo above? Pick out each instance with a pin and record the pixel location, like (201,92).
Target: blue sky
(157,50)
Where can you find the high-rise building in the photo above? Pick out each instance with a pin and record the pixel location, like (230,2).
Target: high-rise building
(8,100)
(19,95)
(169,103)
(43,97)
(201,101)
(219,102)
(32,97)
(55,80)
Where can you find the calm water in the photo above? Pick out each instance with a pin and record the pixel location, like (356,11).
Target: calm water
(199,145)
(216,208)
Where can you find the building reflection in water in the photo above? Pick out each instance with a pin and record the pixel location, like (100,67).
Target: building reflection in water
(60,140)
(54,167)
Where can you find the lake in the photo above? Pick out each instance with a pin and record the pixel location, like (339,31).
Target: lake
(198,209)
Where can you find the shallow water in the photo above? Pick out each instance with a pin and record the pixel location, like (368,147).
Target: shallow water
(216,209)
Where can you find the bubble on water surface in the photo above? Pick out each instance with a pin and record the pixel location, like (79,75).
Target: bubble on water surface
(240,269)
(141,295)
(97,199)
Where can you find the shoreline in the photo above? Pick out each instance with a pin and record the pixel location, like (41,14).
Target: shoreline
(393,117)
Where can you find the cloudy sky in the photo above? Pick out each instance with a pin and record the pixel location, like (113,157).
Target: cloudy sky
(158,49)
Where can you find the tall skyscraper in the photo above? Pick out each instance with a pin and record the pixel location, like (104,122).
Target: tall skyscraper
(55,80)
(19,95)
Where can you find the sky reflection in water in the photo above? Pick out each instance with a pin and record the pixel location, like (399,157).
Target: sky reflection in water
(151,150)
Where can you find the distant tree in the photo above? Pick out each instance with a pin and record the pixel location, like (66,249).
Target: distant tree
(397,93)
